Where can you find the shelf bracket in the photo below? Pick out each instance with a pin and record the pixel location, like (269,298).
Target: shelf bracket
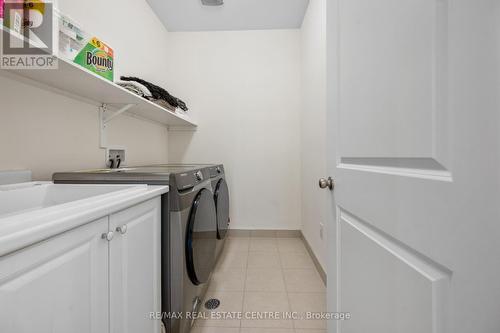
(105,117)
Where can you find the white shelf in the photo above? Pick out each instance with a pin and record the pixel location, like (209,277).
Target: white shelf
(77,82)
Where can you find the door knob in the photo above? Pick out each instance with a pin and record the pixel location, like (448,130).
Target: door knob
(324,183)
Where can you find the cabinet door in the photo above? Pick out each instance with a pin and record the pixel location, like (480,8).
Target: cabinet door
(57,286)
(135,268)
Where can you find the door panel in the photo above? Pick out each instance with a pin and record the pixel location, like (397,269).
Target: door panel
(135,268)
(395,115)
(414,147)
(57,286)
(402,290)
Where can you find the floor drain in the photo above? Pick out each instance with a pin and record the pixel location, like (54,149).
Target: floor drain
(212,304)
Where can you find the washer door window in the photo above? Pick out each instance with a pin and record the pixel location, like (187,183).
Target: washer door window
(201,237)
(222,206)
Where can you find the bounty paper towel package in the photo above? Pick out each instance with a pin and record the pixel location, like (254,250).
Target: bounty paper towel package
(84,49)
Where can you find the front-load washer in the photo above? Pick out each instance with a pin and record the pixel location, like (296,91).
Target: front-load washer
(189,232)
(193,234)
(221,199)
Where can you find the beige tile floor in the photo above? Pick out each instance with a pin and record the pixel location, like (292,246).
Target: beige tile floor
(265,275)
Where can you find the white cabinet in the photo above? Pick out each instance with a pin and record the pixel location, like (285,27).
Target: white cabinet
(59,285)
(135,269)
(80,282)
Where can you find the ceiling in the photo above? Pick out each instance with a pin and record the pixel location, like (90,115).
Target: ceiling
(191,15)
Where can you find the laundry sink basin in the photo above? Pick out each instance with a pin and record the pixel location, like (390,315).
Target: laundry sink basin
(22,198)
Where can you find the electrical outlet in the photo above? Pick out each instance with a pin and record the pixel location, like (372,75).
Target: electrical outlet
(115,157)
(321,230)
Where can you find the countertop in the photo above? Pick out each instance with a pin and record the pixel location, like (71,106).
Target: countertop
(24,229)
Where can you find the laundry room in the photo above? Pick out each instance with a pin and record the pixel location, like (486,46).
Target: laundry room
(248,166)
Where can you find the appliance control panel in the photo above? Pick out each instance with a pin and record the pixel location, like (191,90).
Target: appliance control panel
(216,171)
(190,179)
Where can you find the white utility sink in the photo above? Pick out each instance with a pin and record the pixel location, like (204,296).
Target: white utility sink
(32,212)
(27,197)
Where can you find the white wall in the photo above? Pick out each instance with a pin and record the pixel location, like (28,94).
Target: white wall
(244,89)
(313,127)
(46,132)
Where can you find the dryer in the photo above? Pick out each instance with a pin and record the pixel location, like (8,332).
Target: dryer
(221,200)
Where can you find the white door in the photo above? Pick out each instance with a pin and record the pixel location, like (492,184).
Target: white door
(57,286)
(135,268)
(413,107)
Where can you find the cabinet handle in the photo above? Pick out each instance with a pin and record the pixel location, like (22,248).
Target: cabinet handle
(108,236)
(122,230)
